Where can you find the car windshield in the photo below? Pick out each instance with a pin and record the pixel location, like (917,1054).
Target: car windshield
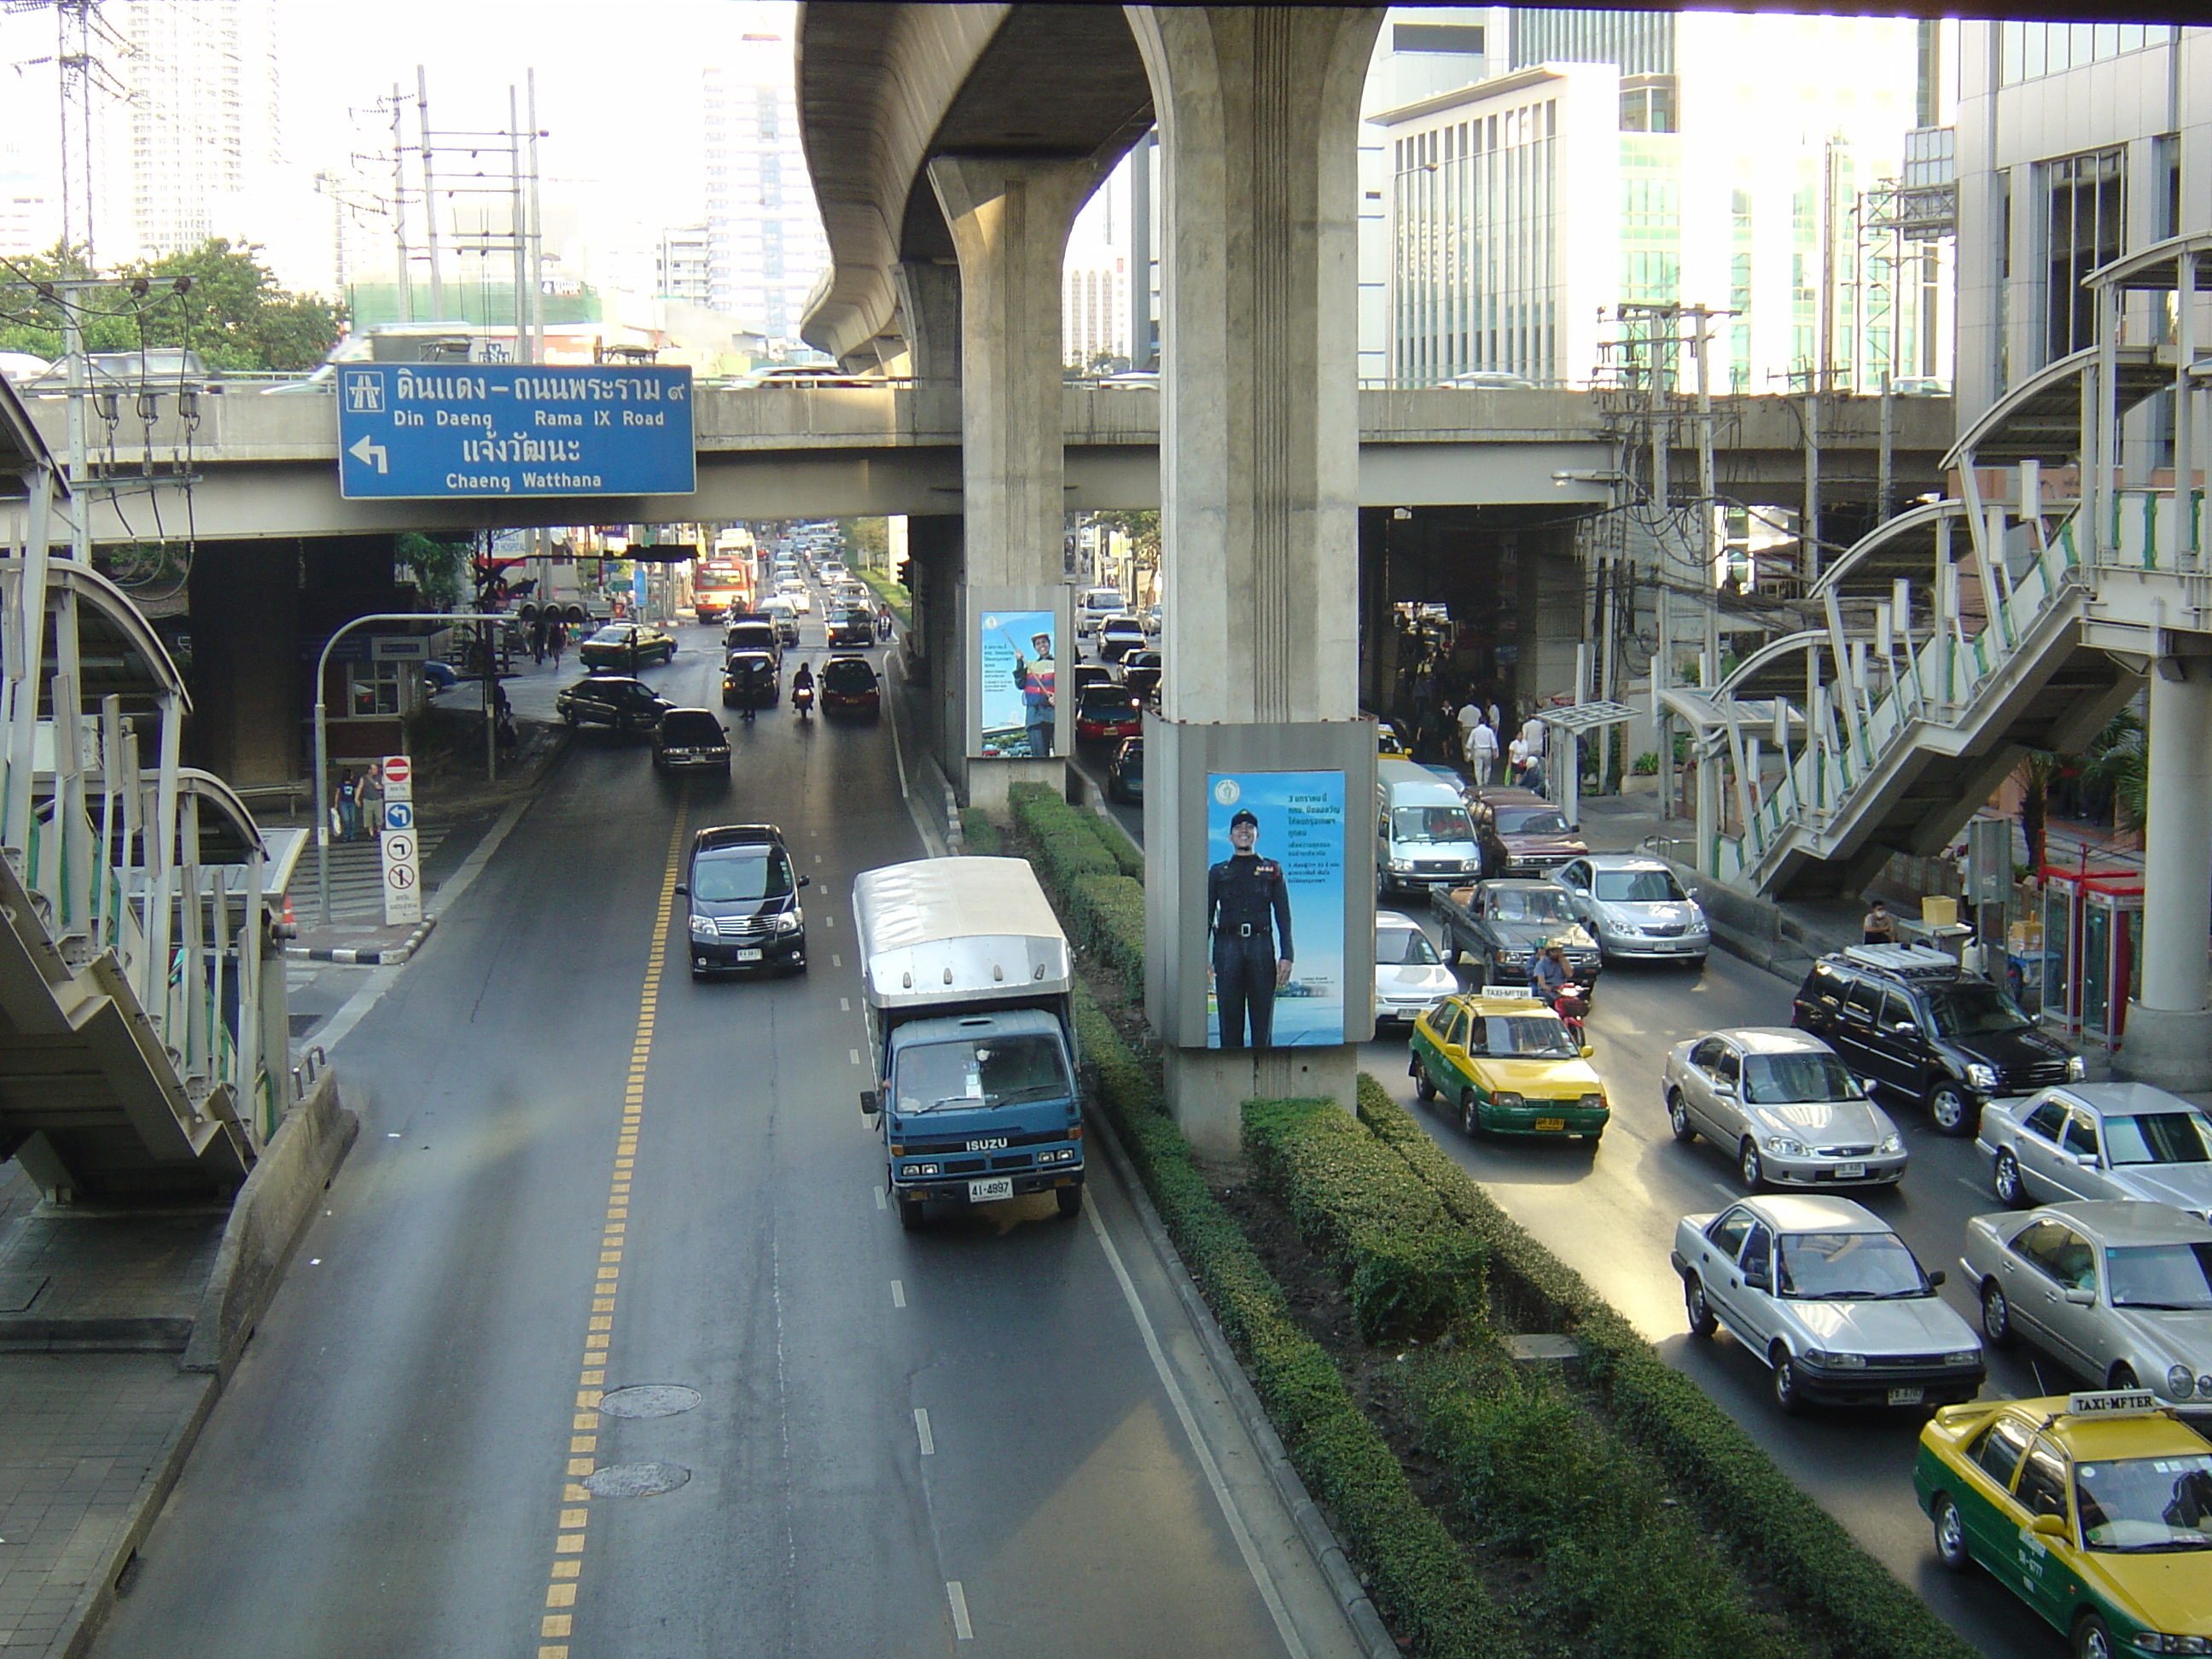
(1849,1267)
(1783,1079)
(2146,1505)
(739,874)
(614,634)
(688,726)
(1538,1035)
(1431,824)
(1403,947)
(1530,904)
(1530,821)
(2160,1137)
(2161,1276)
(984,1071)
(1106,699)
(1637,887)
(1973,1010)
(846,675)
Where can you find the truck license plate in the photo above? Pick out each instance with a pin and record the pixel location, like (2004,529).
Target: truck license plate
(1906,1396)
(748,955)
(1850,1172)
(1551,1124)
(982,1191)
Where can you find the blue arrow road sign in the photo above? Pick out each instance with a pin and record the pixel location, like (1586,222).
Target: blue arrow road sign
(399,815)
(421,431)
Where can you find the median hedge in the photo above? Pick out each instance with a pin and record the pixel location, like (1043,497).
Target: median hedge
(1419,1578)
(1862,1611)
(1407,1267)
(1104,903)
(979,835)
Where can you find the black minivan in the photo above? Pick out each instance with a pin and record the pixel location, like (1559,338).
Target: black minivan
(743,901)
(1908,1018)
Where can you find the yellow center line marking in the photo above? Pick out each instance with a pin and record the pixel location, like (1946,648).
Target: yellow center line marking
(565,1571)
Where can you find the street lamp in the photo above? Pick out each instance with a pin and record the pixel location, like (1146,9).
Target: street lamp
(322,734)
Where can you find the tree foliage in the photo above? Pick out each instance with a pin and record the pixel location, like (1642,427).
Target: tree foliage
(231,312)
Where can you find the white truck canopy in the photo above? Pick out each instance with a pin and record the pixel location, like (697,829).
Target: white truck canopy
(957,930)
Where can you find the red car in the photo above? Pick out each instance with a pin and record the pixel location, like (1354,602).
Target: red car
(849,686)
(1105,712)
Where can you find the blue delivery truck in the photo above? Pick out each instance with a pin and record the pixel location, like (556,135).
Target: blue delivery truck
(966,981)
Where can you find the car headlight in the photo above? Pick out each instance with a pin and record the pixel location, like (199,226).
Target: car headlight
(1592,1103)
(703,928)
(1401,864)
(2152,1642)
(1470,867)
(1981,1077)
(2076,1068)
(1783,1147)
(1509,958)
(922,1169)
(1963,1357)
(791,921)
(1835,1362)
(2180,1384)
(1506,1099)
(1891,1145)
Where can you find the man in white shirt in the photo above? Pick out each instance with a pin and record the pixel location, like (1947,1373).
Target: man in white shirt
(1482,752)
(1470,716)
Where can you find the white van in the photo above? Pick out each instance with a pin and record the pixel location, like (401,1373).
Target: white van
(1094,604)
(1424,836)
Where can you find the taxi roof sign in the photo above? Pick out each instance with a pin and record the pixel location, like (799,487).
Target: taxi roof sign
(1508,994)
(2112,1402)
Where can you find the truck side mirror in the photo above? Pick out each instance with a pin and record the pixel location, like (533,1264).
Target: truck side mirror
(682,891)
(871,1103)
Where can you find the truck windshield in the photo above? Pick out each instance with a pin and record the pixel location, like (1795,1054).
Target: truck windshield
(1431,824)
(984,1071)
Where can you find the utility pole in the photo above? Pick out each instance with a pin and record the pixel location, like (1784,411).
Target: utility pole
(429,200)
(519,223)
(537,234)
(399,208)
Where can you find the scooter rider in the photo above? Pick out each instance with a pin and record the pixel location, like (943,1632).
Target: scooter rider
(802,688)
(1547,973)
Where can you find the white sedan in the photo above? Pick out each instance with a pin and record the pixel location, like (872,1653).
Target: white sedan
(1409,974)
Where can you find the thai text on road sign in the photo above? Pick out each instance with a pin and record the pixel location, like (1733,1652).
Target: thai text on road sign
(400,855)
(422,431)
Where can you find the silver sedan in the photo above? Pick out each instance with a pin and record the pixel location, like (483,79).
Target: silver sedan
(2089,1140)
(1635,907)
(2119,1290)
(1785,1107)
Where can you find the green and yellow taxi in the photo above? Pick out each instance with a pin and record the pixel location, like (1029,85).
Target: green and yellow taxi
(2094,1509)
(1509,1066)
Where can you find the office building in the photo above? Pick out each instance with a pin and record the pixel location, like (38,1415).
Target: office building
(682,265)
(764,241)
(199,133)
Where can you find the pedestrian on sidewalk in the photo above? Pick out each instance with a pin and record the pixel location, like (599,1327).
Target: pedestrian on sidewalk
(1516,758)
(1470,716)
(560,641)
(1880,927)
(1482,751)
(372,801)
(349,805)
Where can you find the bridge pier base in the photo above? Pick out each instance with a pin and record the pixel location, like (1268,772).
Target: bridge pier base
(2169,1030)
(1258,110)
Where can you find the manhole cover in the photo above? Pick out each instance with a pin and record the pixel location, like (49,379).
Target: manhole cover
(635,1479)
(649,1399)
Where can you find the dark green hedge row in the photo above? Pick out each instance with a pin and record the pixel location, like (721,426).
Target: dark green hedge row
(1105,907)
(979,835)
(1119,847)
(1419,1578)
(1408,1267)
(1861,1609)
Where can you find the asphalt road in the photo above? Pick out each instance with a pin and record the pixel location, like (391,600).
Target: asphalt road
(1612,1217)
(982,1438)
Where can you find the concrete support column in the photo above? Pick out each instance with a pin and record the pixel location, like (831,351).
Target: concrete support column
(2169,1032)
(929,301)
(1258,110)
(245,677)
(1009,215)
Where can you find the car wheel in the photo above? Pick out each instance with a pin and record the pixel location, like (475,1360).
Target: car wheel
(1678,1115)
(909,1212)
(1699,1311)
(1424,1088)
(2004,1176)
(1948,1107)
(1749,1164)
(1950,1534)
(1787,1394)
(568,719)
(1469,1124)
(1070,1201)
(2093,1637)
(2123,1377)
(1997,1315)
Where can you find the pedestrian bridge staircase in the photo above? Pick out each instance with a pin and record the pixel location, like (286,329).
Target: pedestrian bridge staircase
(143,1048)
(2019,613)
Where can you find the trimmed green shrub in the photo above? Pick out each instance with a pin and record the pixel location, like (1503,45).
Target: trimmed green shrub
(1862,1610)
(1110,912)
(1408,1268)
(1119,847)
(979,834)
(1420,1580)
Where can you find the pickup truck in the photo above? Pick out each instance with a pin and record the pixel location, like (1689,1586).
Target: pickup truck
(1502,924)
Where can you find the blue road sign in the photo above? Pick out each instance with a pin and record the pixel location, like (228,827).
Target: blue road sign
(420,431)
(399,815)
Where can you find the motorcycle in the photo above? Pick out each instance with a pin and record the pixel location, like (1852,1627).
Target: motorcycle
(802,700)
(1573,1006)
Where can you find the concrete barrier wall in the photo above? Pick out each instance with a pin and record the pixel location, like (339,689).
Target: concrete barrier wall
(273,1208)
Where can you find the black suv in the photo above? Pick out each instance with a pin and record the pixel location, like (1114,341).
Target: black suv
(615,700)
(1906,1017)
(744,898)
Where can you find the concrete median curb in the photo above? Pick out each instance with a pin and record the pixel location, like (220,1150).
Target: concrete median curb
(368,957)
